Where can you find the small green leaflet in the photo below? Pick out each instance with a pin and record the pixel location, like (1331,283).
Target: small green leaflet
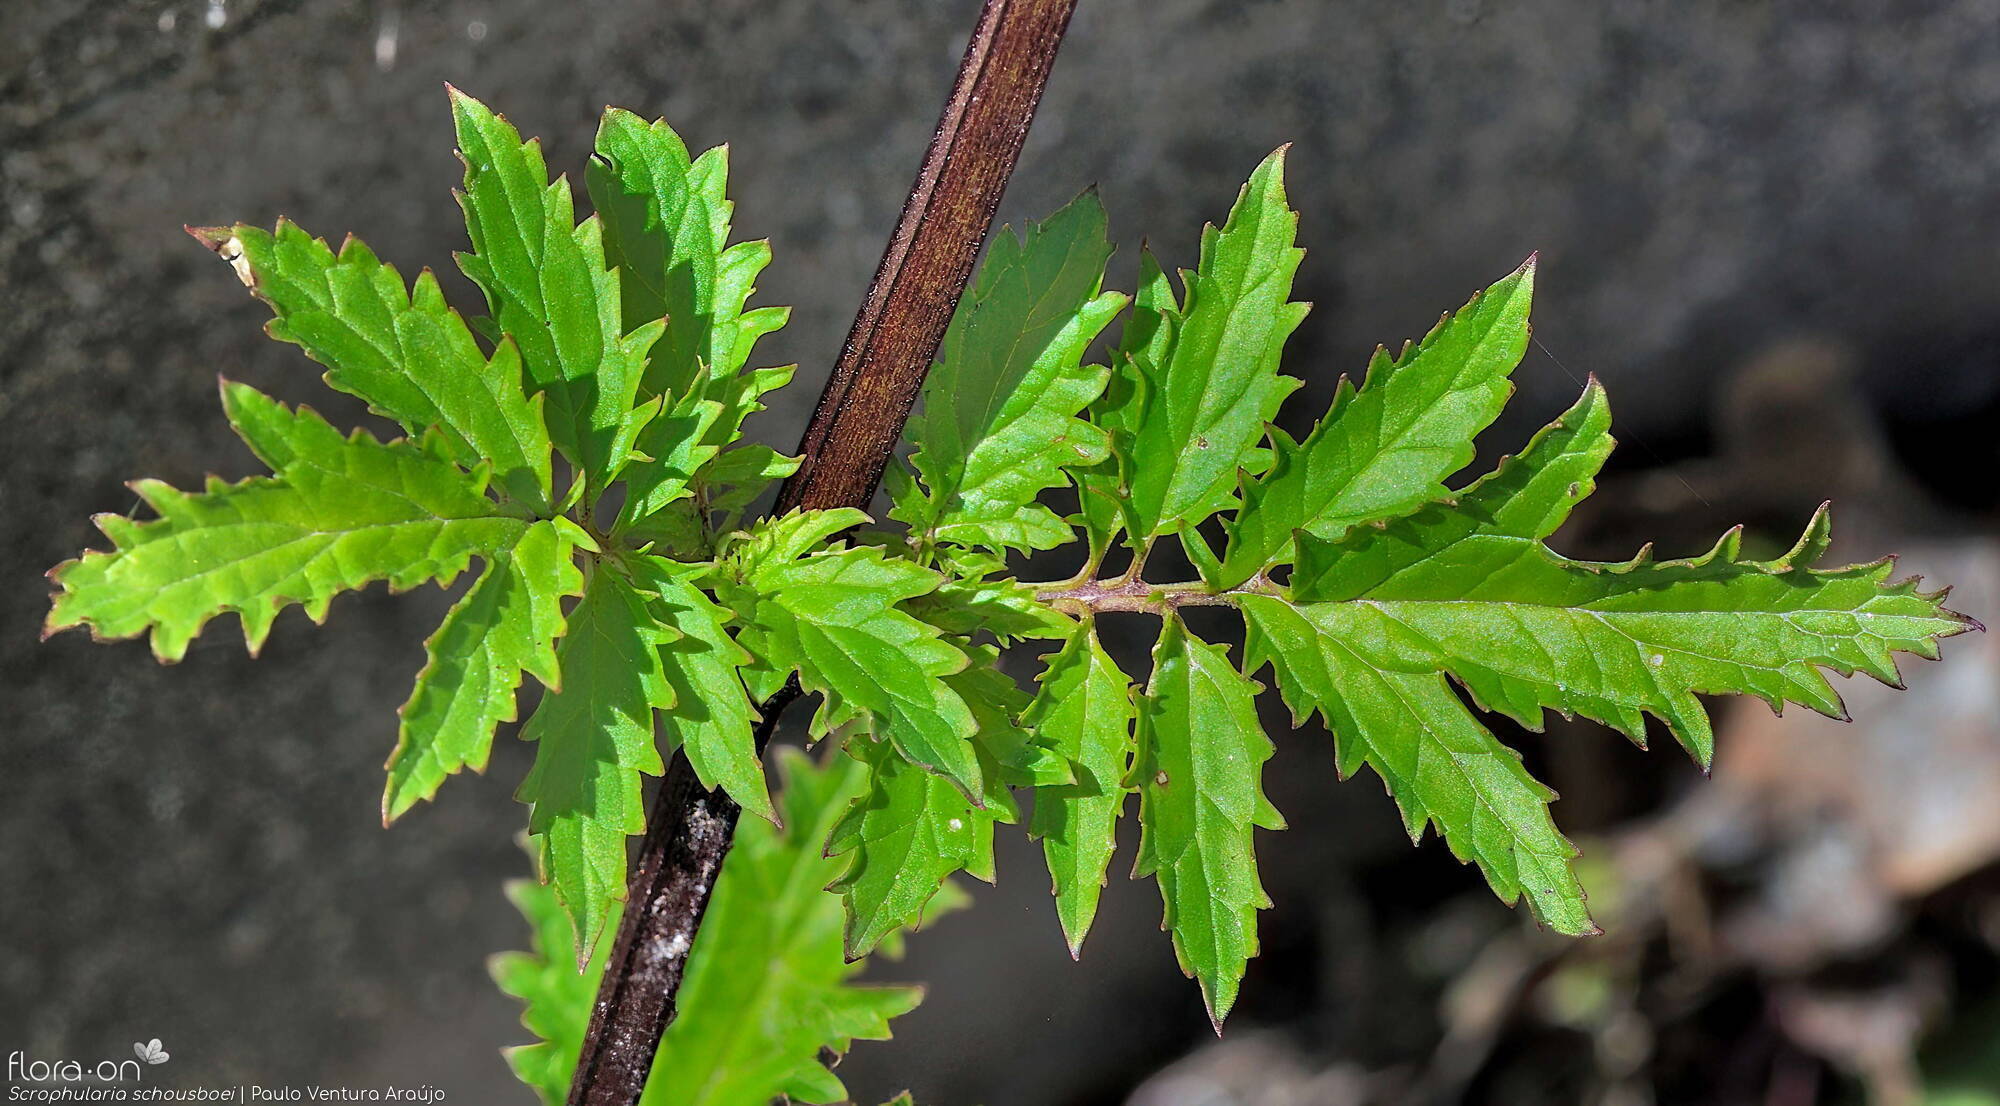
(713,718)
(342,512)
(592,740)
(745,473)
(551,290)
(505,625)
(906,835)
(1385,450)
(1000,406)
(1440,764)
(674,444)
(1010,753)
(768,986)
(666,221)
(1104,491)
(833,617)
(1199,773)
(656,235)
(406,352)
(1084,712)
(555,996)
(1211,393)
(1006,609)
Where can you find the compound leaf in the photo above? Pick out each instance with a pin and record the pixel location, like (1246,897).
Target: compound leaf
(592,740)
(1000,422)
(505,625)
(1083,710)
(1199,770)
(1383,451)
(1210,394)
(550,288)
(404,351)
(342,512)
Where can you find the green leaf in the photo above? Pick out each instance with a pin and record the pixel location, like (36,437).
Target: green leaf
(343,512)
(1473,589)
(740,475)
(676,448)
(1210,395)
(999,423)
(768,987)
(657,236)
(1010,753)
(1375,621)
(740,396)
(734,330)
(505,625)
(1440,765)
(1199,770)
(550,288)
(1104,491)
(1385,450)
(555,996)
(907,834)
(1007,609)
(592,740)
(406,352)
(713,720)
(1084,711)
(832,616)
(666,221)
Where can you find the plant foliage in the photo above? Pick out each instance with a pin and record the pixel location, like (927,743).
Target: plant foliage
(581,441)
(768,988)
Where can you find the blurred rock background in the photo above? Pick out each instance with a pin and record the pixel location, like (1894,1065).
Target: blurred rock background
(1770,226)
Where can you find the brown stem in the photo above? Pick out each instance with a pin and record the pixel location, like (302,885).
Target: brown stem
(846,446)
(923,272)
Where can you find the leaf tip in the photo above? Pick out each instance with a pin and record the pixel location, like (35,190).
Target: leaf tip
(212,237)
